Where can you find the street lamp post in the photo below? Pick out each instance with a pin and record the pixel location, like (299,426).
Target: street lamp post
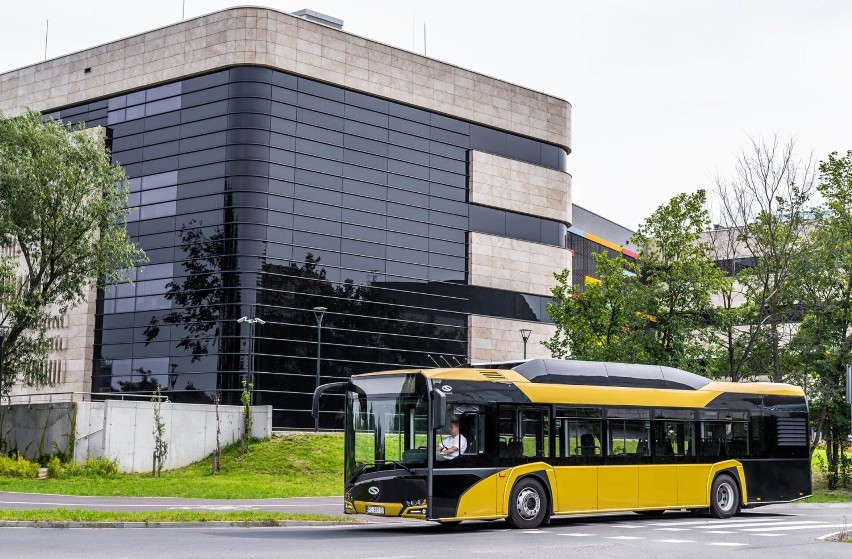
(318,313)
(250,369)
(525,334)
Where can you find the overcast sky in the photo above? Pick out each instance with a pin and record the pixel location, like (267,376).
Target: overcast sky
(664,93)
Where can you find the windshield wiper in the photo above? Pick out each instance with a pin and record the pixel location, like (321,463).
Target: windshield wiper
(401,465)
(359,467)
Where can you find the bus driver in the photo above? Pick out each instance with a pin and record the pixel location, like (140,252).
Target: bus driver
(453,444)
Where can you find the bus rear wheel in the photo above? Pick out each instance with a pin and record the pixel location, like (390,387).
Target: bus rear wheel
(724,497)
(528,504)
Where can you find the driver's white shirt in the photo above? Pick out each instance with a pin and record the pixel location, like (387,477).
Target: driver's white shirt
(449,442)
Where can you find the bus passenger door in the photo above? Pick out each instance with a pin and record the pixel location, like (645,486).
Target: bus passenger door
(627,447)
(658,482)
(578,454)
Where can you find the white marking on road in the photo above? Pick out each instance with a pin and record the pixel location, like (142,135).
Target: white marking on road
(672,529)
(818,525)
(727,544)
(713,523)
(213,507)
(790,522)
(719,532)
(163,506)
(533,531)
(768,535)
(624,538)
(576,535)
(675,541)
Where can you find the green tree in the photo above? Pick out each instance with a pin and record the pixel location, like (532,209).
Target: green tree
(598,321)
(679,276)
(823,344)
(655,311)
(63,207)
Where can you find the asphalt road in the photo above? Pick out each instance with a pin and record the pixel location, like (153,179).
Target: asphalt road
(30,501)
(776,532)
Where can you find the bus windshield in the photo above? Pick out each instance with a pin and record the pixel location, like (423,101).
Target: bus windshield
(386,424)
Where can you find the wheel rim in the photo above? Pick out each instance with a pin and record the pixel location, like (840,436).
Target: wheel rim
(725,497)
(529,503)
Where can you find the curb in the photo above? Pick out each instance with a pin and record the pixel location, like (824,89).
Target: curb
(199,524)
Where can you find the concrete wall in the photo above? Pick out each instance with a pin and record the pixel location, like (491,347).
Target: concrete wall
(123,430)
(36,429)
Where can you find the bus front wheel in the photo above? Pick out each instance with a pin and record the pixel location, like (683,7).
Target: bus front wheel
(724,497)
(528,504)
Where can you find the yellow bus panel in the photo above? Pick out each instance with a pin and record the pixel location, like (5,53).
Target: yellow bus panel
(482,500)
(692,480)
(658,485)
(577,488)
(618,487)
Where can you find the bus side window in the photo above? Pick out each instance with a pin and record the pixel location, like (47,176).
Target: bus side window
(472,427)
(578,434)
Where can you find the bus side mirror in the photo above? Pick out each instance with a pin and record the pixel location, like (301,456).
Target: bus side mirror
(439,409)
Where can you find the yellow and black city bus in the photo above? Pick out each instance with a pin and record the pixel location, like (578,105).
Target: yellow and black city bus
(550,437)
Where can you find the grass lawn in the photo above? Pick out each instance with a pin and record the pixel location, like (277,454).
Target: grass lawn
(79,515)
(821,493)
(299,465)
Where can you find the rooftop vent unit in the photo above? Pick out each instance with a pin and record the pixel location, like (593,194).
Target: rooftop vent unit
(322,19)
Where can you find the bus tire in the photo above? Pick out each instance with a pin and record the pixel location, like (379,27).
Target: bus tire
(724,497)
(528,504)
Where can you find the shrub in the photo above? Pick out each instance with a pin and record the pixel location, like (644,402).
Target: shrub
(54,467)
(92,467)
(18,467)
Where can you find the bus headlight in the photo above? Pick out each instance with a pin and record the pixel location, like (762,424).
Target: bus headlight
(414,503)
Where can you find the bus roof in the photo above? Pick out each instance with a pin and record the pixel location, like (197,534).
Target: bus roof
(597,373)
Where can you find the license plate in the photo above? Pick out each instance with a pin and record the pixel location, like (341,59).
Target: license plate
(375,510)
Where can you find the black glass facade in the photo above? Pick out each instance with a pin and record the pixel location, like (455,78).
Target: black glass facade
(256,192)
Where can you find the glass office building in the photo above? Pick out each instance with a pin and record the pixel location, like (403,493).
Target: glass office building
(277,165)
(255,192)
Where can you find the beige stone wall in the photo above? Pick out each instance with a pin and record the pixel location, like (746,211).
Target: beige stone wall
(69,364)
(514,185)
(278,40)
(514,265)
(499,339)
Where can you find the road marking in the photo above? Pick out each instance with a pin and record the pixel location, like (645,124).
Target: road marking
(762,525)
(768,535)
(576,535)
(818,525)
(719,532)
(165,506)
(675,541)
(727,544)
(672,529)
(714,522)
(213,507)
(624,538)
